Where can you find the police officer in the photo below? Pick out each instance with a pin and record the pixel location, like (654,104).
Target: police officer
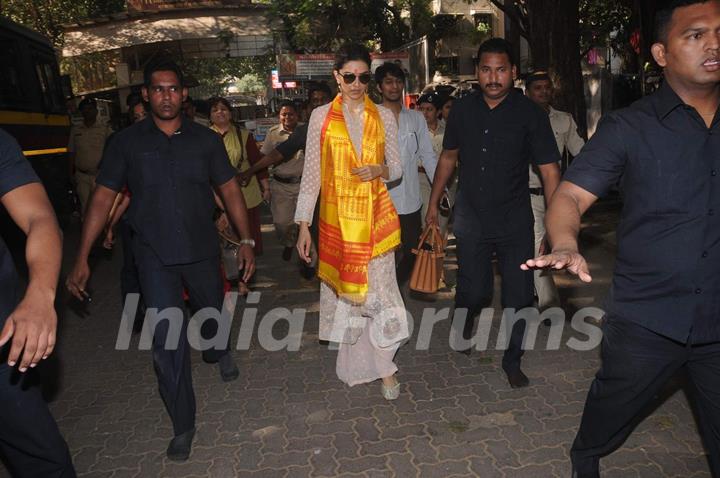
(87,141)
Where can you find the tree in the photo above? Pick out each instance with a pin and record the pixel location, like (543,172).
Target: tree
(560,32)
(48,16)
(251,84)
(217,74)
(322,25)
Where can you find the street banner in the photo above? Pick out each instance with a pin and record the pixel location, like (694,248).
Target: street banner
(401,58)
(305,67)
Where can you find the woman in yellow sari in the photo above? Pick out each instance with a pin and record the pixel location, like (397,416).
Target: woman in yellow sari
(243,152)
(351,151)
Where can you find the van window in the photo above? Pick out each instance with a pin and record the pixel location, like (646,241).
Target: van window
(13,95)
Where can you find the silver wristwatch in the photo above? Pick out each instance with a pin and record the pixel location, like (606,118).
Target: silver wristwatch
(248,242)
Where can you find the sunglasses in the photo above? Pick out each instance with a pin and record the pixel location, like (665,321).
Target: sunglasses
(349,78)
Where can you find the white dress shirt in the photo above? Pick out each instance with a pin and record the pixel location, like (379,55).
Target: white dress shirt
(416,150)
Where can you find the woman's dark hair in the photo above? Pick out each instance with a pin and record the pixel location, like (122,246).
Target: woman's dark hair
(351,52)
(213,102)
(162,64)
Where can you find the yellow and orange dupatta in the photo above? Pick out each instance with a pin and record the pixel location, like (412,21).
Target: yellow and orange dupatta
(358,220)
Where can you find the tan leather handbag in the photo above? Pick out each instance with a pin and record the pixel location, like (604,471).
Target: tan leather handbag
(428,268)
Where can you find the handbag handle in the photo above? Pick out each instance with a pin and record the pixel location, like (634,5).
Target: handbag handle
(435,241)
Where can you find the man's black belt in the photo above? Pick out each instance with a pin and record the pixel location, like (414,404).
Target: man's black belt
(288,180)
(537,191)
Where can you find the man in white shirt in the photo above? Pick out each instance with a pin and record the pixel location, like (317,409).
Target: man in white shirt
(417,157)
(539,88)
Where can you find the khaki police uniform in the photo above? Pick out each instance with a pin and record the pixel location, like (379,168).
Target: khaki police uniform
(87,142)
(284,187)
(567,138)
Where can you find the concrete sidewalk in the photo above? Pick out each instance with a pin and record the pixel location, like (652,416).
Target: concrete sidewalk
(289,415)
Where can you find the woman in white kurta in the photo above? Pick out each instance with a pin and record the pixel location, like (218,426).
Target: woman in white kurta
(369,332)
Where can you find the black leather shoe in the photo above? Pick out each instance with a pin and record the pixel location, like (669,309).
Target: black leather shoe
(287,253)
(179,447)
(517,378)
(228,369)
(466,351)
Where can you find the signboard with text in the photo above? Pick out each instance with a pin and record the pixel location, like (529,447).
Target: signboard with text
(277,84)
(402,58)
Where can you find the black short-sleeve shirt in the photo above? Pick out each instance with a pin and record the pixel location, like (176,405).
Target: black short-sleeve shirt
(294,143)
(667,163)
(15,171)
(170,179)
(495,148)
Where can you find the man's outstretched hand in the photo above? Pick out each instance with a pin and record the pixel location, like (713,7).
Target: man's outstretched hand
(569,260)
(31,330)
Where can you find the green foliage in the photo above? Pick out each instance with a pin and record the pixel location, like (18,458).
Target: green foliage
(92,71)
(215,75)
(47,16)
(251,84)
(604,22)
(323,25)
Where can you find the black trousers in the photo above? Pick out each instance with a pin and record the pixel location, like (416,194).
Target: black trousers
(129,278)
(30,442)
(162,287)
(636,363)
(475,282)
(410,230)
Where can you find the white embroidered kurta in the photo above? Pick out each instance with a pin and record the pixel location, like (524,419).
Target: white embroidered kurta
(370,333)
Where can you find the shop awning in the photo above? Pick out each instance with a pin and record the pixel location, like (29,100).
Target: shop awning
(126,30)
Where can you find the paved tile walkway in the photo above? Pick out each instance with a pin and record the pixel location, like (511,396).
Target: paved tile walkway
(288,415)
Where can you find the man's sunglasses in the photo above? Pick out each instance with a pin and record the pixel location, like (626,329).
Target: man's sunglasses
(349,78)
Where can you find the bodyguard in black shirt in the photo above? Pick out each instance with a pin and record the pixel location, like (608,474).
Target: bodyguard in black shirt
(664,309)
(171,165)
(29,438)
(495,135)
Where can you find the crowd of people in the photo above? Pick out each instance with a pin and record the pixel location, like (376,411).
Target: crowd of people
(350,192)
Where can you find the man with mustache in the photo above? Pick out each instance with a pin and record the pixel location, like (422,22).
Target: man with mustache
(171,165)
(663,312)
(494,134)
(539,88)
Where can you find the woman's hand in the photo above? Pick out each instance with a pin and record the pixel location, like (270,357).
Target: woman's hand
(369,172)
(304,242)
